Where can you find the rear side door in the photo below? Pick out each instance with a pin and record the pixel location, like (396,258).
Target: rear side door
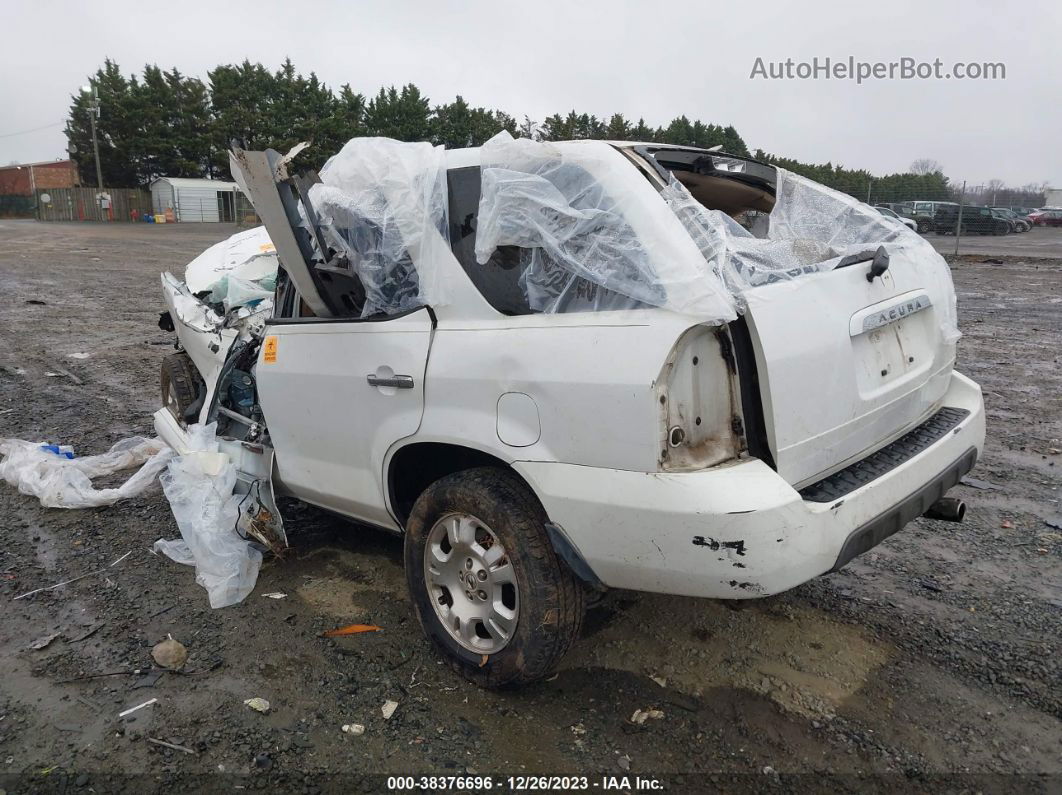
(337,393)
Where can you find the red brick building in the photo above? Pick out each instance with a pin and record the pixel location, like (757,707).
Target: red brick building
(24,179)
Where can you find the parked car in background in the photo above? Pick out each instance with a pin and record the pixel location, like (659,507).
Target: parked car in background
(1022,212)
(910,223)
(924,212)
(896,207)
(1047,217)
(1017,223)
(975,221)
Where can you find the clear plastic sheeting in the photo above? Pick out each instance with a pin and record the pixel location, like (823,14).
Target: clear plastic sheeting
(199,485)
(595,232)
(248,255)
(811,228)
(58,481)
(233,291)
(383,203)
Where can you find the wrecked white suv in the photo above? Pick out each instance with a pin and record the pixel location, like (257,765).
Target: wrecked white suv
(557,367)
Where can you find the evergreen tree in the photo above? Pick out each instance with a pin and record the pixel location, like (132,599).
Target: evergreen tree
(117,128)
(404,115)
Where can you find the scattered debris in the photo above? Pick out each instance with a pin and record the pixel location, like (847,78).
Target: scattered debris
(356,729)
(578,729)
(388,709)
(199,485)
(992,261)
(170,653)
(131,710)
(258,704)
(78,355)
(174,746)
(75,579)
(640,716)
(929,585)
(149,679)
(350,629)
(89,633)
(1007,524)
(974,483)
(41,643)
(275,595)
(1055,522)
(36,302)
(659,680)
(59,480)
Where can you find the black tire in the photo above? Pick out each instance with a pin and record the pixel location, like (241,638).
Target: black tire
(924,225)
(179,384)
(552,601)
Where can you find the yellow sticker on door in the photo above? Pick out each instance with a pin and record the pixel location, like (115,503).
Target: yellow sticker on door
(269,350)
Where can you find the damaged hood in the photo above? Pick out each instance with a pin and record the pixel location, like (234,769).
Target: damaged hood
(248,255)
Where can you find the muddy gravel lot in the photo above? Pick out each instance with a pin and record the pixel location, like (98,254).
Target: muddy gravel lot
(932,662)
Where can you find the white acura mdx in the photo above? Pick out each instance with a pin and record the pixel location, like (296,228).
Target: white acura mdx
(560,367)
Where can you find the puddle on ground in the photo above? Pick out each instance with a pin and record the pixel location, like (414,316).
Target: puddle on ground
(805,663)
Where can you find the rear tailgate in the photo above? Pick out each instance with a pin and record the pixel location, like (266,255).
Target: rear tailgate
(846,365)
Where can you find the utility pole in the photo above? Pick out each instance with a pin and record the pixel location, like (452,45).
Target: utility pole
(958,222)
(869,183)
(94,113)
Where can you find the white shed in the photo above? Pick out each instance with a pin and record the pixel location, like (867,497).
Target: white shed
(207,200)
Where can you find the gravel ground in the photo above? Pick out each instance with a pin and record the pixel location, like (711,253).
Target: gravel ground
(930,662)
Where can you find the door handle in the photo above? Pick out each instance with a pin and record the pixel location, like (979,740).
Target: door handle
(396,381)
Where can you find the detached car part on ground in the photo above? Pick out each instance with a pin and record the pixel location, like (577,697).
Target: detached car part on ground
(561,367)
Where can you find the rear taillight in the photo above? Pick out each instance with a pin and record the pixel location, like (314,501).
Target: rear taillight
(697,395)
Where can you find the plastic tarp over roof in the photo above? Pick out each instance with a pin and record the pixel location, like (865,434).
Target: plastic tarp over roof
(383,204)
(587,215)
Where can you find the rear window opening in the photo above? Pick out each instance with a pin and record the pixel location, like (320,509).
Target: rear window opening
(733,185)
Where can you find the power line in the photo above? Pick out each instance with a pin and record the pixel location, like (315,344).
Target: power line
(35,129)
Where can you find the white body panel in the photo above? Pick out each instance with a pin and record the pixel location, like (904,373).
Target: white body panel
(333,426)
(654,531)
(830,395)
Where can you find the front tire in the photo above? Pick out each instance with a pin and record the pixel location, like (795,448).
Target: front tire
(486,584)
(179,384)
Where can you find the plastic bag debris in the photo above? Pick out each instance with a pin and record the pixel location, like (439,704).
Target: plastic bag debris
(594,232)
(383,203)
(199,486)
(61,480)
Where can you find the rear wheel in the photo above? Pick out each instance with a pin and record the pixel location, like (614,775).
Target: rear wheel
(924,225)
(488,588)
(179,382)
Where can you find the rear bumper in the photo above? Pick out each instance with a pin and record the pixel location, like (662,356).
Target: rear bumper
(740,530)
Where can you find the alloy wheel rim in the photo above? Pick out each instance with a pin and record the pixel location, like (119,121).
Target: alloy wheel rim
(471,583)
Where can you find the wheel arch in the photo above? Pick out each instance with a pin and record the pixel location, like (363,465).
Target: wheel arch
(415,466)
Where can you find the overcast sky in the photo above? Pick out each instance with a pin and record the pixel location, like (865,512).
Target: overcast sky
(652,59)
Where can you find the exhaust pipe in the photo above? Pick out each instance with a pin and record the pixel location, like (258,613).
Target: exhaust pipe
(947,509)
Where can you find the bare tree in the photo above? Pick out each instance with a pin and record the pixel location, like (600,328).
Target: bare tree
(926,165)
